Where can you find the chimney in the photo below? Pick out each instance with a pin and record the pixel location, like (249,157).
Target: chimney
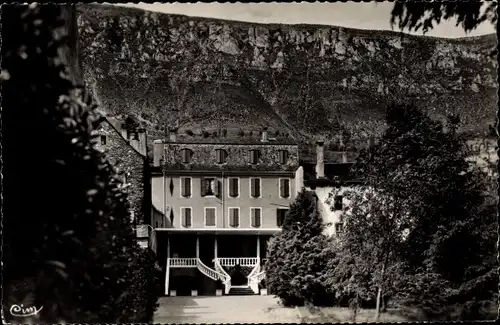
(157,152)
(264,135)
(142,143)
(299,180)
(172,135)
(320,165)
(344,157)
(125,132)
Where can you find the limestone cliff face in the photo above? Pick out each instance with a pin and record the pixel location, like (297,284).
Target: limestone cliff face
(306,80)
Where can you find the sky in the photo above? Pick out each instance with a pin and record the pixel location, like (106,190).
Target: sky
(361,15)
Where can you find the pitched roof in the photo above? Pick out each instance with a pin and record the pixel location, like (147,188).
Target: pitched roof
(115,125)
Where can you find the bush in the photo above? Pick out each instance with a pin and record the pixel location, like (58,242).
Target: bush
(189,132)
(297,257)
(72,247)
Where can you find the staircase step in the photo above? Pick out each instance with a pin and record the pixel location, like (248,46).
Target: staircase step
(240,291)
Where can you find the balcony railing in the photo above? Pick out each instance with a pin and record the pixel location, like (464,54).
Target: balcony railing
(242,261)
(182,262)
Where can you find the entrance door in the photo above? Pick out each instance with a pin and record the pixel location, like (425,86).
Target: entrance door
(237,276)
(207,249)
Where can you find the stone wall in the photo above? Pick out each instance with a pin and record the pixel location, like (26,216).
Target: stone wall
(204,157)
(128,162)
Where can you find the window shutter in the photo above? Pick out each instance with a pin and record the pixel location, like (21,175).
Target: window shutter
(231,218)
(188,217)
(210,217)
(284,188)
(217,186)
(203,186)
(186,187)
(255,187)
(233,187)
(236,217)
(221,156)
(186,156)
(283,157)
(184,218)
(254,156)
(256,218)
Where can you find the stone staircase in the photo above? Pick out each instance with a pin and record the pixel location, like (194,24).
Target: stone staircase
(240,291)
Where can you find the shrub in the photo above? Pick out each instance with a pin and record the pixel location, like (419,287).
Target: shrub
(189,132)
(297,257)
(72,247)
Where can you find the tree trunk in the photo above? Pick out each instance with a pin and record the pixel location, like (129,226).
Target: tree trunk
(383,308)
(377,307)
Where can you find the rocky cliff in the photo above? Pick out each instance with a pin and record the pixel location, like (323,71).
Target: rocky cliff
(298,80)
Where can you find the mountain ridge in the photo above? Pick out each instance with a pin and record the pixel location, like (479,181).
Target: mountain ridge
(304,80)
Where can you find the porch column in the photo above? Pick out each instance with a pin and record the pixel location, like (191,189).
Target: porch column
(215,247)
(258,247)
(197,247)
(168,247)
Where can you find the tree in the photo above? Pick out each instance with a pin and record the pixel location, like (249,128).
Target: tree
(375,224)
(416,15)
(297,257)
(442,207)
(68,244)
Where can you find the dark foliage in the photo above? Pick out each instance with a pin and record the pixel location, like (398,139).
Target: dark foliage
(68,244)
(416,15)
(423,164)
(297,257)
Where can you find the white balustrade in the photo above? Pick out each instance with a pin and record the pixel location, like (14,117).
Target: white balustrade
(225,278)
(212,274)
(183,262)
(242,261)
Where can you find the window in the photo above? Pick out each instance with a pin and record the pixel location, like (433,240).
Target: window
(254,156)
(234,187)
(234,217)
(284,187)
(186,154)
(210,217)
(255,187)
(339,228)
(103,140)
(256,217)
(221,156)
(337,202)
(283,155)
(280,216)
(135,136)
(187,218)
(186,186)
(209,187)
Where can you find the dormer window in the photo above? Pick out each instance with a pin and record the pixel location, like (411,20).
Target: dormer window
(221,156)
(103,140)
(283,156)
(254,156)
(186,154)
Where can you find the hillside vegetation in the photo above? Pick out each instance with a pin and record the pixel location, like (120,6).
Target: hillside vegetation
(301,80)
